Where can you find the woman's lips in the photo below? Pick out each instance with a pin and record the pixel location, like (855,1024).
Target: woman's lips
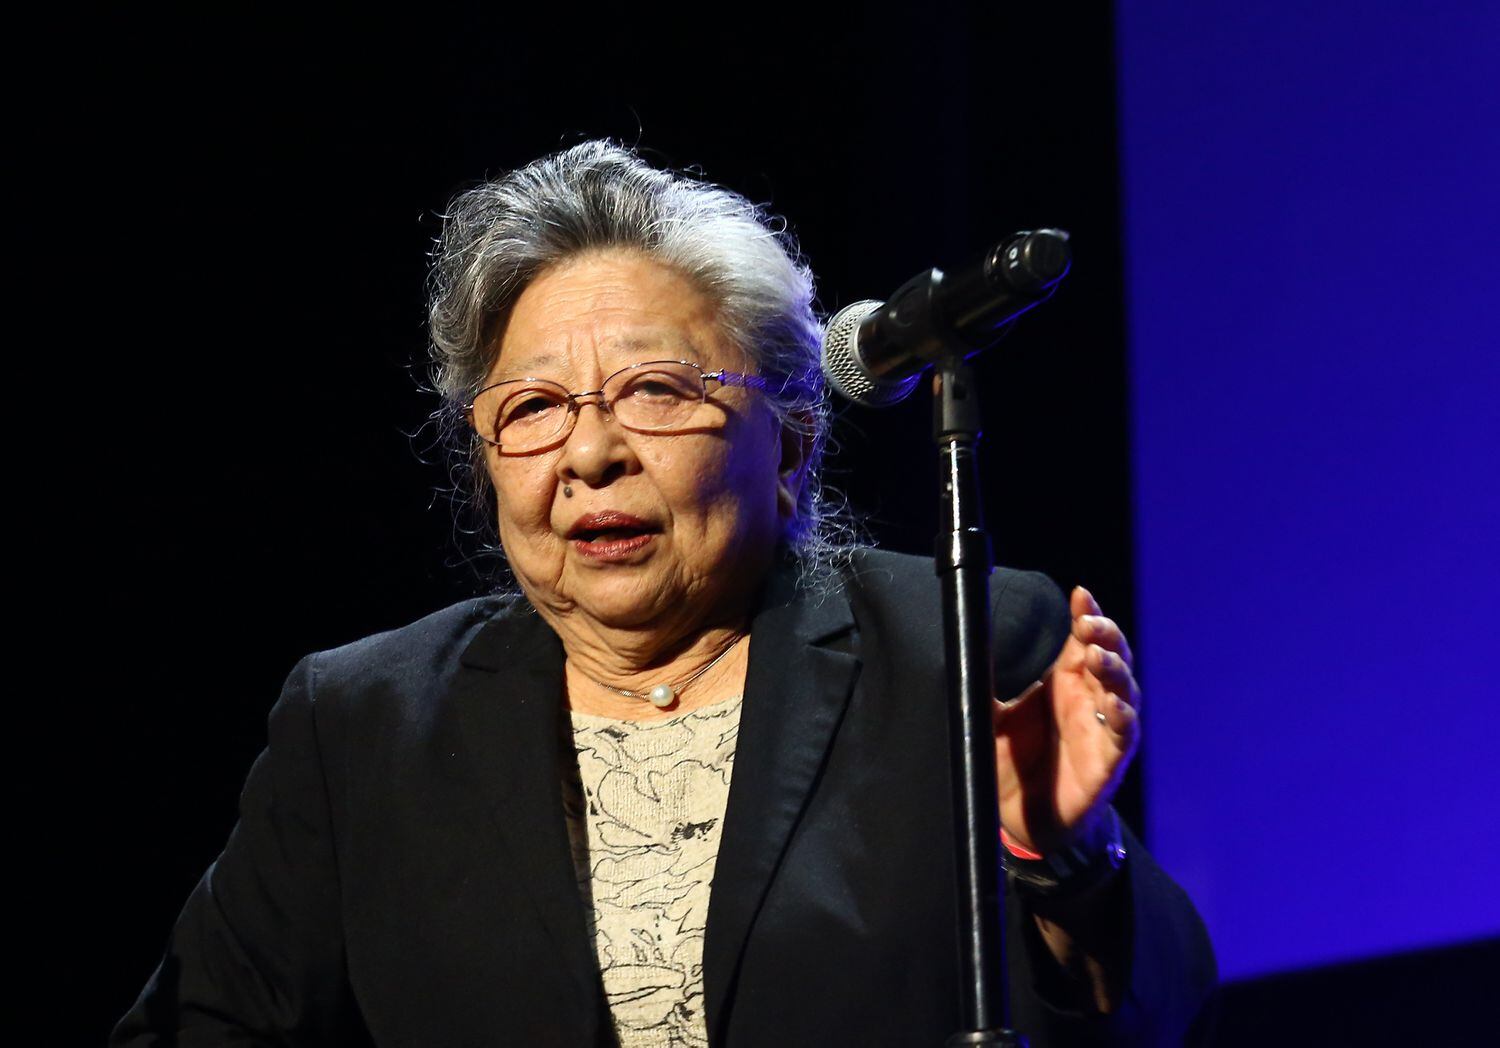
(612,547)
(591,525)
(610,534)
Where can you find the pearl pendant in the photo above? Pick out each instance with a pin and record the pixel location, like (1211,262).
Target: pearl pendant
(662,696)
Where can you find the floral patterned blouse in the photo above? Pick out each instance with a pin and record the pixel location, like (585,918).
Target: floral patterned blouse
(645,815)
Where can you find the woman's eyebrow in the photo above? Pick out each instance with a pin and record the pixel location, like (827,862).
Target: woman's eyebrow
(656,347)
(526,370)
(675,347)
(685,350)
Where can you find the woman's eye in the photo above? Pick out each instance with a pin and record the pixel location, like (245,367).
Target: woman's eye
(528,407)
(653,389)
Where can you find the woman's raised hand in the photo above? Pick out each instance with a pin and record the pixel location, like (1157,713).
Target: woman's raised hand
(1062,747)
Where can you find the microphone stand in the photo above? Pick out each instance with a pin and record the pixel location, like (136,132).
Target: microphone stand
(940,319)
(963,563)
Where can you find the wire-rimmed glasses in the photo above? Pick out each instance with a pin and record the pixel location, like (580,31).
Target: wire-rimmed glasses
(530,414)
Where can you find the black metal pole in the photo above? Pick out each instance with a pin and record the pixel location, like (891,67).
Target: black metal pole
(963,563)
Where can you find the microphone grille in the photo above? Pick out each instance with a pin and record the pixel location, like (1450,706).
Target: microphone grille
(846,373)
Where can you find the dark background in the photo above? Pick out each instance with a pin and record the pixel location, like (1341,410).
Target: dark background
(259,195)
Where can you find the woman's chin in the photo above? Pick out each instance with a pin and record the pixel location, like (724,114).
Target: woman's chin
(623,601)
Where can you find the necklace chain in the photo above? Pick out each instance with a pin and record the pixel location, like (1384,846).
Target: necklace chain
(663,695)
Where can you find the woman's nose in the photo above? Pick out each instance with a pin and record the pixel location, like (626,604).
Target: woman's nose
(596,449)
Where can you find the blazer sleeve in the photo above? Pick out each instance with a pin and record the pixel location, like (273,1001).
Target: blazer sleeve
(257,955)
(1170,980)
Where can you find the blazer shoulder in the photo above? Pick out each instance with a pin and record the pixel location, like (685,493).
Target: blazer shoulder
(877,572)
(1029,622)
(426,649)
(1029,616)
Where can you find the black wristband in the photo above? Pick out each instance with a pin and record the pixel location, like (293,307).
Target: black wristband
(1071,872)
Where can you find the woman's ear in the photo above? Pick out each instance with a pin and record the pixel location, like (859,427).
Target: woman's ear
(791,471)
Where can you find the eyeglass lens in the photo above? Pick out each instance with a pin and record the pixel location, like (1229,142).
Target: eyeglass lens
(531,413)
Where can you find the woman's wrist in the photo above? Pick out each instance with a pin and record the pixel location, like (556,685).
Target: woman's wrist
(1073,872)
(1074,899)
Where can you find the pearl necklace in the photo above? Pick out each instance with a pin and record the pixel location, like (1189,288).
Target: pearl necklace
(663,695)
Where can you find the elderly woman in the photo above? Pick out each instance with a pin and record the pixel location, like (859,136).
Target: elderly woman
(690,785)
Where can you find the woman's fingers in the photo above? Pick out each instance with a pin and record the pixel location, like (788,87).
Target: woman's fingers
(1103,631)
(1109,660)
(1118,705)
(1112,671)
(1120,717)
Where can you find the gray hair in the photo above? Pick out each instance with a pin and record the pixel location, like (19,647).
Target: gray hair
(500,236)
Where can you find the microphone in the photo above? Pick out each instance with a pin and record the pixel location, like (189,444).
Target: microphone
(874,352)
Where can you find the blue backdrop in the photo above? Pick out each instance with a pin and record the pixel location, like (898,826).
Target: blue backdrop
(1311,237)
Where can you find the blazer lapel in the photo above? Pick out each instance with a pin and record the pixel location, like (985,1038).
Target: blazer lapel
(509,699)
(796,688)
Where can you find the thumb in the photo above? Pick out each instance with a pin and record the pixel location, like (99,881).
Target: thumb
(1003,709)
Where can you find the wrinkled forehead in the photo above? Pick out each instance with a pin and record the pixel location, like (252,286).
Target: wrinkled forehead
(596,314)
(580,359)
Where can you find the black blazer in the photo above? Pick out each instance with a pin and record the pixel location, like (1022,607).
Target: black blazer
(400,874)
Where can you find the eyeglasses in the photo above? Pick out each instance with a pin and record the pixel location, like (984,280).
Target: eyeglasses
(530,414)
